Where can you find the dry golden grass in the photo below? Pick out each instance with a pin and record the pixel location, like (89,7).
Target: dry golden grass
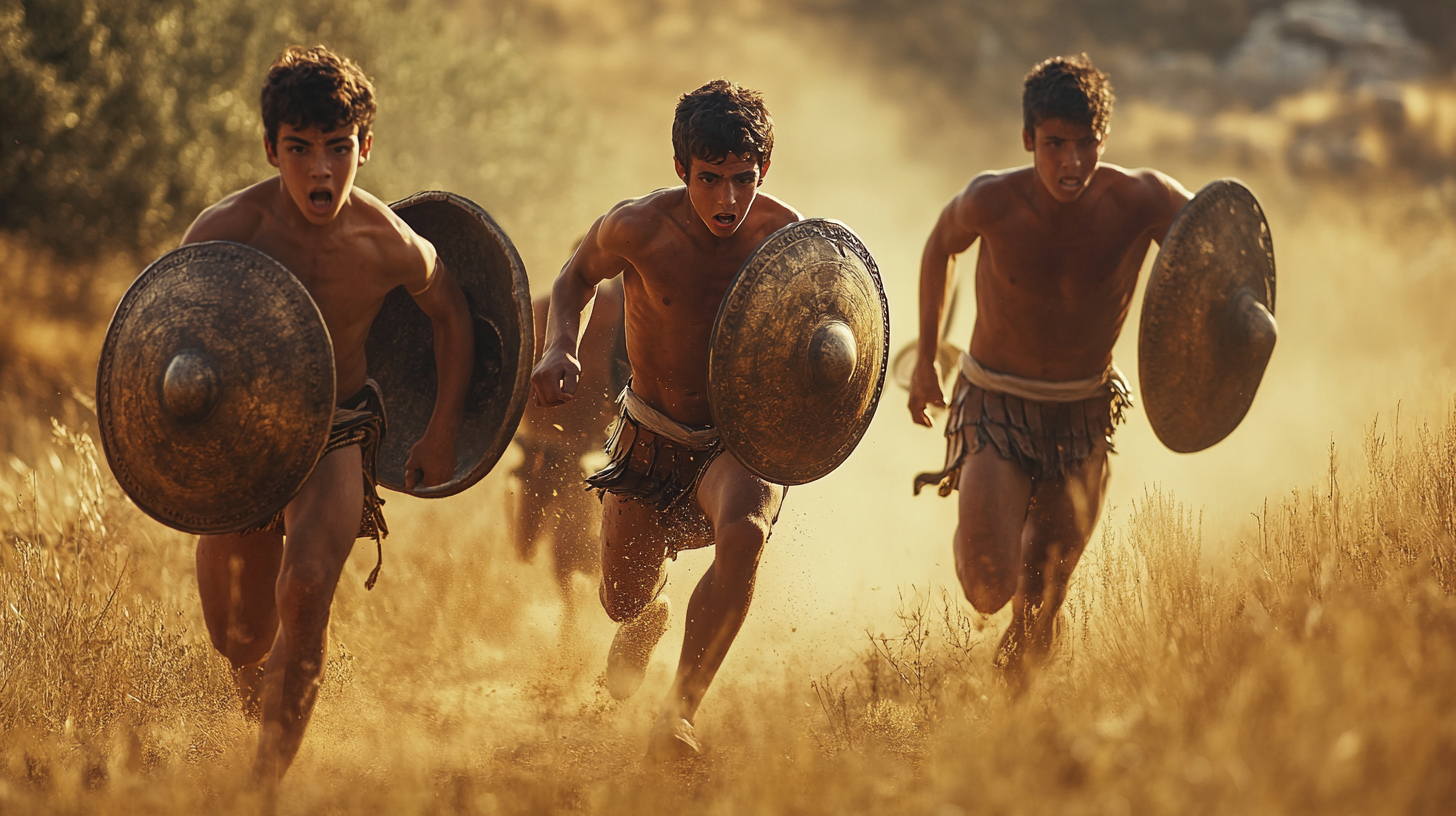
(1309,672)
(1297,660)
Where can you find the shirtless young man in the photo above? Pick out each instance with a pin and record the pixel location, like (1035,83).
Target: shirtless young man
(552,501)
(1031,422)
(267,605)
(669,485)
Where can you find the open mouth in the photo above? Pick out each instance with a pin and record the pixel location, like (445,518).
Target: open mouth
(321,200)
(1070,183)
(725,219)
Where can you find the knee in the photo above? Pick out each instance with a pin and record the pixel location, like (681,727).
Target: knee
(305,592)
(620,605)
(986,584)
(739,545)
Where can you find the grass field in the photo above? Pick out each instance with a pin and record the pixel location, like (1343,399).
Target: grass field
(1306,672)
(1237,641)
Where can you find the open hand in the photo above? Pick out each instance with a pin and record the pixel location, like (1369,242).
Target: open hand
(925,390)
(554,380)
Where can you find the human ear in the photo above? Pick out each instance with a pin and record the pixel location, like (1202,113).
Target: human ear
(763,171)
(682,172)
(1028,140)
(271,151)
(364,145)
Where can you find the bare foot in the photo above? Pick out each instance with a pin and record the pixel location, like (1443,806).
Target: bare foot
(632,648)
(249,682)
(672,738)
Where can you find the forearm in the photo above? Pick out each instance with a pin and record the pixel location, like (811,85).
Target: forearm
(454,360)
(569,296)
(937,275)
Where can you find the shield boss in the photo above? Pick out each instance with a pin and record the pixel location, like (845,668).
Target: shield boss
(798,352)
(215,389)
(1208,324)
(401,345)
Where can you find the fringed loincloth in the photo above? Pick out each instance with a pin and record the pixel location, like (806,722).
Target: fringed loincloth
(1044,437)
(358,420)
(660,462)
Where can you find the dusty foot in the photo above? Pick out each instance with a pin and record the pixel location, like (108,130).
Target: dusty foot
(249,681)
(632,648)
(672,738)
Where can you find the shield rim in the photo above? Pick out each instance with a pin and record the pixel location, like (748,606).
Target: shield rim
(521,291)
(856,245)
(105,372)
(1157,280)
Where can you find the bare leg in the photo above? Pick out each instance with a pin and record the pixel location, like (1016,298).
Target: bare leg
(742,508)
(531,505)
(1058,527)
(575,541)
(995,496)
(322,522)
(634,549)
(235,577)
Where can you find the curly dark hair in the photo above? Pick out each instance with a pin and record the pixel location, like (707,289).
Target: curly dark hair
(719,118)
(309,87)
(1068,88)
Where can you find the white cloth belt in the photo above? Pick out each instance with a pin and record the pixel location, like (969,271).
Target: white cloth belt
(1040,390)
(665,426)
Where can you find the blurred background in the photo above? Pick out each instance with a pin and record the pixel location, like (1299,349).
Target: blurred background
(123,119)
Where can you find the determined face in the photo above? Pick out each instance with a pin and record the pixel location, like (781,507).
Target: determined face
(1065,156)
(317,167)
(722,192)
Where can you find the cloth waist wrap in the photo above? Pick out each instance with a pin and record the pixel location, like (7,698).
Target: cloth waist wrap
(665,426)
(1044,426)
(658,461)
(1039,390)
(358,420)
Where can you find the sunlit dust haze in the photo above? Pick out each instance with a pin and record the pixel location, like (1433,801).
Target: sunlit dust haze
(1263,627)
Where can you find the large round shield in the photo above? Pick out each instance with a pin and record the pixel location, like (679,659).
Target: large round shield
(797,355)
(1208,324)
(215,390)
(401,345)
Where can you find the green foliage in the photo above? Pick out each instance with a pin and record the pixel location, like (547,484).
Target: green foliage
(124,119)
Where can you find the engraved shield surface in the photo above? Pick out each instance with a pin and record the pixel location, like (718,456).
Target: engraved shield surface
(401,345)
(798,352)
(215,389)
(1208,326)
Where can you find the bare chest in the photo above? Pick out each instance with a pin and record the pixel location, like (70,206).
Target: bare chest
(1033,257)
(681,288)
(348,285)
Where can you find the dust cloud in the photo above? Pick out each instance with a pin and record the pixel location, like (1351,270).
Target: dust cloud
(1354,301)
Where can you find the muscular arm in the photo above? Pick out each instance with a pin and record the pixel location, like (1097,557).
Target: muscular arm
(554,380)
(1166,197)
(953,234)
(432,460)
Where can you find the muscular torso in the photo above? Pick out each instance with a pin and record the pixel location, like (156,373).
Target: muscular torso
(1053,286)
(674,285)
(347,267)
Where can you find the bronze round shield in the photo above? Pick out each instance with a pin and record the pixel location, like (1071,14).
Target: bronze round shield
(215,389)
(401,345)
(1208,324)
(798,352)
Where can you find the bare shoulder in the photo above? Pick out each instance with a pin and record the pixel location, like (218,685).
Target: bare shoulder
(634,222)
(775,213)
(989,197)
(407,258)
(236,217)
(1144,187)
